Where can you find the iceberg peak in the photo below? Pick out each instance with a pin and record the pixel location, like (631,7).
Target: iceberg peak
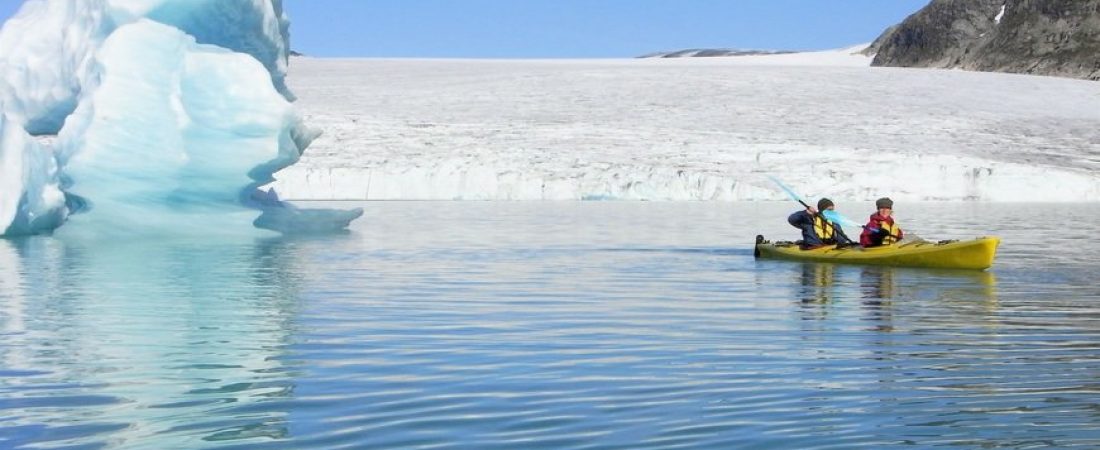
(41,69)
(169,115)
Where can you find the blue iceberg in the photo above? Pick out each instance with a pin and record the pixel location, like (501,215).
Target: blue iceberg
(30,196)
(170,116)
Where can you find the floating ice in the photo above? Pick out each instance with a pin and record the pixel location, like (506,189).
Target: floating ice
(47,49)
(168,131)
(29,195)
(175,113)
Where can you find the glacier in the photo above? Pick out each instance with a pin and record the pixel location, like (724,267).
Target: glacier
(170,116)
(692,129)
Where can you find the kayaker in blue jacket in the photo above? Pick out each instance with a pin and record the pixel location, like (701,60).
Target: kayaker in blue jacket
(816,231)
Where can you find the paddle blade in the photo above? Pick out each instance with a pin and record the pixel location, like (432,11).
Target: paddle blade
(786,189)
(835,217)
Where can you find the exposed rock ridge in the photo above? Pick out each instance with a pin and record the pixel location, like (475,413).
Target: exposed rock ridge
(1040,37)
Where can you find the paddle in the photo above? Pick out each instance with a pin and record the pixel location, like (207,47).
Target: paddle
(789,191)
(798,199)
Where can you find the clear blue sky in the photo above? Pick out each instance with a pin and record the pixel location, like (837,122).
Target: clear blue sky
(577,28)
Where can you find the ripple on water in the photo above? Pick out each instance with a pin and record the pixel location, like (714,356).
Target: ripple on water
(492,331)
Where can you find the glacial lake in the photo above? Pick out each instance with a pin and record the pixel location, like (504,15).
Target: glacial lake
(591,325)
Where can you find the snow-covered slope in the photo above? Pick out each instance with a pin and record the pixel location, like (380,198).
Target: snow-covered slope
(690,129)
(851,56)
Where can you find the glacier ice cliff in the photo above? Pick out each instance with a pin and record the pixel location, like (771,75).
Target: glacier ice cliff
(691,129)
(169,114)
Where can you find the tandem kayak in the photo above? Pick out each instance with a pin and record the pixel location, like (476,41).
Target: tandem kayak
(975,254)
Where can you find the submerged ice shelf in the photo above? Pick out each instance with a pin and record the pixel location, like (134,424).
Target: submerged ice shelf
(689,129)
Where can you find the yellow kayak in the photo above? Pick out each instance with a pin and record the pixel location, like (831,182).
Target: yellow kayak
(975,254)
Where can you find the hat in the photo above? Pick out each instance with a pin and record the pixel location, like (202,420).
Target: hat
(824,204)
(884,202)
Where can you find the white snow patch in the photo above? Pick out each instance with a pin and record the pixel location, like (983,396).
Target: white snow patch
(844,57)
(1001,14)
(849,56)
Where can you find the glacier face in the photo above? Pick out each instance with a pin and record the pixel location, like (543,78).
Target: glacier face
(690,129)
(174,116)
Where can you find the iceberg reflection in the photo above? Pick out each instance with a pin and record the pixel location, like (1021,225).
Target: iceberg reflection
(139,336)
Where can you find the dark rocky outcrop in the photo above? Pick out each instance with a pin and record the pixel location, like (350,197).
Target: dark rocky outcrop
(1041,37)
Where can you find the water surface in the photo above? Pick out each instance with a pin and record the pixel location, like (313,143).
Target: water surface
(552,325)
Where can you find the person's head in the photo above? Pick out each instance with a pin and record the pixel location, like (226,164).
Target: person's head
(824,204)
(885,206)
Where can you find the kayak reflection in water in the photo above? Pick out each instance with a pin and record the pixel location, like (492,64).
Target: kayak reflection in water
(881,229)
(818,282)
(816,230)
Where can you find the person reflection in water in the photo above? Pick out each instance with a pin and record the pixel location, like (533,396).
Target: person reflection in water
(878,288)
(817,283)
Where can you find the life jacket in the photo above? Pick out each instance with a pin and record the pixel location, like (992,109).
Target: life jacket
(892,229)
(823,228)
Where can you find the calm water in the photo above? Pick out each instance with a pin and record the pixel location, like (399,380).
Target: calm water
(546,325)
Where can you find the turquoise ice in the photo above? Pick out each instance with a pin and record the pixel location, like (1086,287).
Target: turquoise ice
(170,116)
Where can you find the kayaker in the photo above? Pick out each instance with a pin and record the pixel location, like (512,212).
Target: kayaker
(816,231)
(881,229)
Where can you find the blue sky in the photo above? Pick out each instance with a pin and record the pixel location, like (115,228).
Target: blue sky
(577,28)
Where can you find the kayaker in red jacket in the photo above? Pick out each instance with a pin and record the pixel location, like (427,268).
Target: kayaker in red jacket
(881,229)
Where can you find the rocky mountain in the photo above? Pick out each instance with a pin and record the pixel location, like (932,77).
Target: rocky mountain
(1042,37)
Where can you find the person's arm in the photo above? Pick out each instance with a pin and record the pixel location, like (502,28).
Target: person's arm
(865,238)
(799,218)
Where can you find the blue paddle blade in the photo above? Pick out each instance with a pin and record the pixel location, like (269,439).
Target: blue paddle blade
(835,217)
(786,189)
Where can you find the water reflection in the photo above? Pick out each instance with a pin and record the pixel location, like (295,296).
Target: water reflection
(128,339)
(823,288)
(13,311)
(878,291)
(818,283)
(877,284)
(510,334)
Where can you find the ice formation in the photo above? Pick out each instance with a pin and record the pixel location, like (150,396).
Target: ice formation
(29,195)
(49,46)
(696,129)
(170,115)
